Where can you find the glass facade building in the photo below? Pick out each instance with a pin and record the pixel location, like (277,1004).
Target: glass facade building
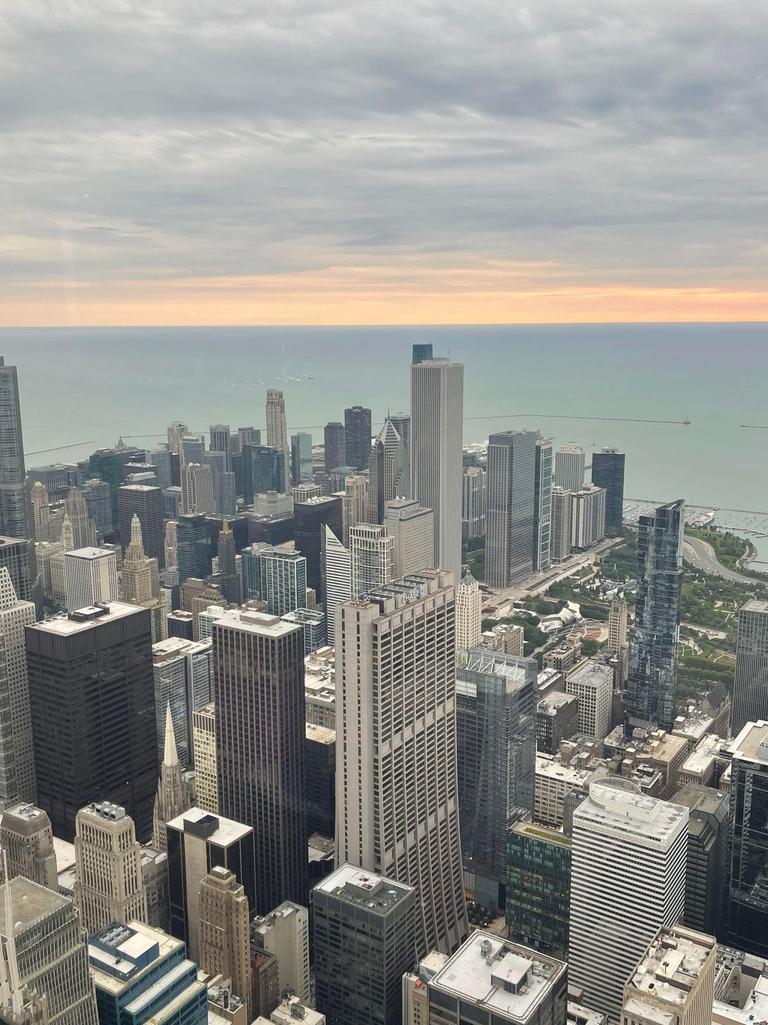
(542,504)
(193,547)
(277,576)
(538,887)
(608,473)
(496,742)
(652,682)
(510,527)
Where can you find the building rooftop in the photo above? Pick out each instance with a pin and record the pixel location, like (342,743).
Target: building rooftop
(214,828)
(260,623)
(87,618)
(619,804)
(549,767)
(320,734)
(553,701)
(90,554)
(542,833)
(173,647)
(25,819)
(365,889)
(661,983)
(755,605)
(591,673)
(751,745)
(139,487)
(697,797)
(30,902)
(104,810)
(701,757)
(511,668)
(502,977)
(741,988)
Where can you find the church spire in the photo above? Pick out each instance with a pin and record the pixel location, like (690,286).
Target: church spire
(170,754)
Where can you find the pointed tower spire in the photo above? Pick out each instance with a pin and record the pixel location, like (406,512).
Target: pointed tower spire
(170,755)
(8,597)
(67,534)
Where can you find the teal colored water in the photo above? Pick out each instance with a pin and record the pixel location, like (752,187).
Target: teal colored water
(94,385)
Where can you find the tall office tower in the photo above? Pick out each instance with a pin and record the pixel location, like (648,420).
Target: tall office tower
(437,418)
(160,458)
(108,464)
(228,578)
(109,885)
(309,519)
(259,673)
(301,457)
(14,513)
(284,932)
(562,506)
(18,557)
(90,576)
(402,424)
(592,683)
(469,614)
(335,445)
(652,681)
(224,940)
(627,882)
(365,933)
(183,677)
(608,473)
(337,575)
(587,517)
(412,529)
(277,576)
(27,839)
(618,637)
(175,432)
(750,685)
(510,528)
(674,980)
(142,974)
(388,471)
(197,489)
(421,351)
(44,971)
(371,552)
(193,547)
(139,578)
(204,750)
(354,503)
(223,481)
(746,913)
(569,467)
(17,762)
(320,766)
(538,887)
(93,713)
(98,499)
(220,442)
(248,436)
(83,528)
(169,545)
(496,747)
(312,623)
(175,790)
(58,478)
(198,841)
(301,492)
(277,432)
(707,855)
(263,469)
(146,502)
(41,512)
(395,668)
(542,504)
(492,977)
(473,503)
(357,437)
(191,449)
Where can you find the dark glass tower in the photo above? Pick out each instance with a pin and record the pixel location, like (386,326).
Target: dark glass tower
(335,446)
(747,894)
(108,464)
(259,671)
(608,473)
(539,888)
(309,518)
(357,433)
(262,469)
(421,351)
(496,750)
(750,684)
(14,518)
(510,527)
(193,547)
(146,502)
(652,682)
(92,696)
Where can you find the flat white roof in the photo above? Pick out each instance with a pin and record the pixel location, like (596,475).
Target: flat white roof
(90,553)
(65,627)
(260,623)
(617,802)
(228,832)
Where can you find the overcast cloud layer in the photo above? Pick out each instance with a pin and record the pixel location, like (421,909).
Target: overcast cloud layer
(599,141)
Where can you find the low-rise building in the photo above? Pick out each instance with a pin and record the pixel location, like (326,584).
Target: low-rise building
(557,719)
(673,984)
(556,777)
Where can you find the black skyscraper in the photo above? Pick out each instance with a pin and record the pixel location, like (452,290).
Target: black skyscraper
(421,351)
(357,429)
(14,512)
(92,697)
(109,464)
(146,502)
(309,518)
(193,547)
(335,446)
(262,470)
(608,473)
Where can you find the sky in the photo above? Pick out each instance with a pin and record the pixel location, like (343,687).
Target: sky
(429,161)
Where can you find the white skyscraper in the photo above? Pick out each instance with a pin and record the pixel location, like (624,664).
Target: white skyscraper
(413,531)
(396,775)
(569,467)
(17,763)
(627,882)
(337,574)
(437,414)
(90,576)
(197,489)
(592,683)
(277,432)
(469,614)
(371,552)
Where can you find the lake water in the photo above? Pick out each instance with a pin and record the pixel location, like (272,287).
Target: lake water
(88,386)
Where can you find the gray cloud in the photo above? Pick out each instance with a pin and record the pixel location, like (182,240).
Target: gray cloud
(201,137)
